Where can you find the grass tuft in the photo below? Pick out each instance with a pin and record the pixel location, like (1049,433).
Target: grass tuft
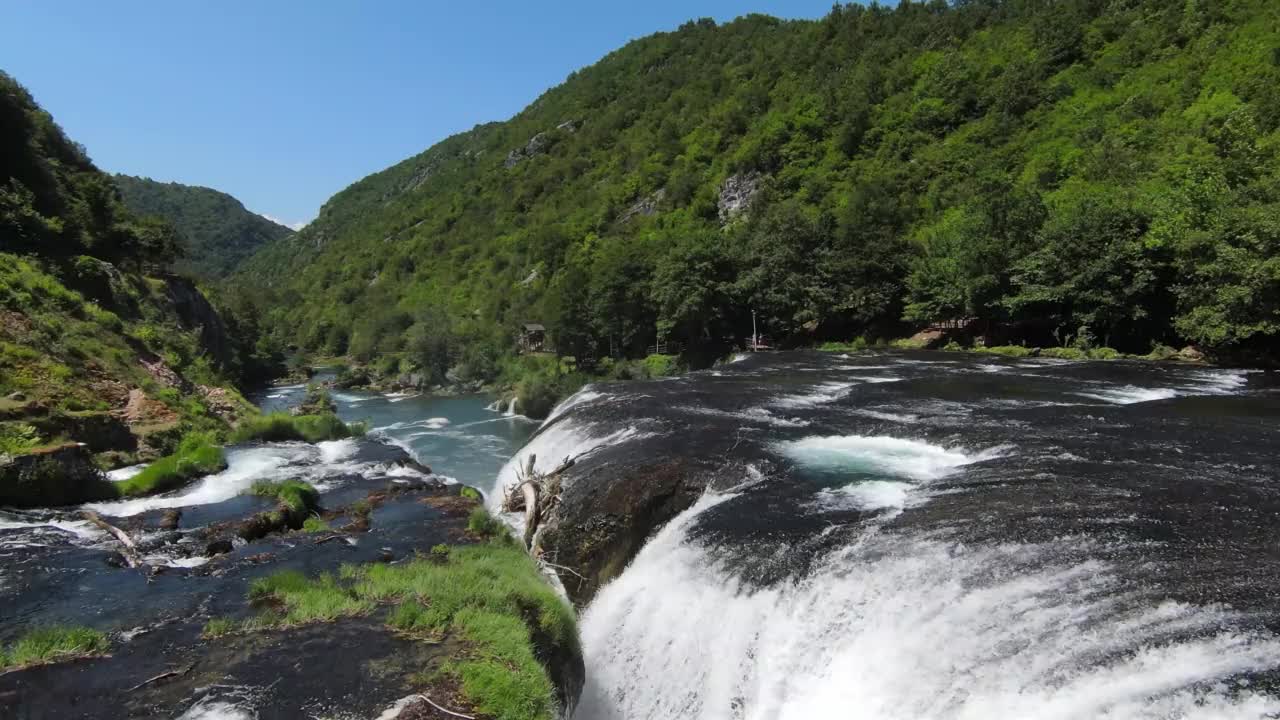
(51,644)
(279,427)
(198,454)
(491,595)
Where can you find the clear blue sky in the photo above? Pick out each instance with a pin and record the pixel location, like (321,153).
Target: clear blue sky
(283,104)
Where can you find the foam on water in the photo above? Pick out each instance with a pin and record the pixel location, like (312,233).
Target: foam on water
(582,397)
(896,628)
(244,466)
(1130,394)
(124,473)
(868,495)
(823,393)
(879,455)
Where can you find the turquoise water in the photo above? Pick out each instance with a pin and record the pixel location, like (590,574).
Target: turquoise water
(456,436)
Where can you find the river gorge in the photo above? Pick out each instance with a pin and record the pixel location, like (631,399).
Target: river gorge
(788,535)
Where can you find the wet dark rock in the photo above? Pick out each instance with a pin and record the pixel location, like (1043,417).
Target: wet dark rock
(52,477)
(221,546)
(607,513)
(170,519)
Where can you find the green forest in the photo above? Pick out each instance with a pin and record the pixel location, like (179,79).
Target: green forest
(217,231)
(1080,173)
(99,340)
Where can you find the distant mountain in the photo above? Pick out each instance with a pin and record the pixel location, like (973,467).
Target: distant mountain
(1076,171)
(218,231)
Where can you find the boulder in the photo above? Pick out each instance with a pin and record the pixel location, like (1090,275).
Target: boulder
(54,476)
(1191,353)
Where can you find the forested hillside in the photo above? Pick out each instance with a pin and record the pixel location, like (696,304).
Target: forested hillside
(216,229)
(1081,172)
(99,343)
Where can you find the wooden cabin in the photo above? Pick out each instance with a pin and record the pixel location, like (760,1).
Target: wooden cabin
(533,338)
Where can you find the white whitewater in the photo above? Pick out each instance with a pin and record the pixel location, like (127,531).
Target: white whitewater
(895,628)
(901,627)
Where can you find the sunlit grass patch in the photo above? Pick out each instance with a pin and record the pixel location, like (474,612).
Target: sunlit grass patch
(51,644)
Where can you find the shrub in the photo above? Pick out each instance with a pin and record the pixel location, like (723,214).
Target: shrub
(50,644)
(661,365)
(1105,353)
(536,396)
(1161,352)
(197,455)
(1064,353)
(1013,351)
(279,427)
(855,345)
(470,493)
(18,437)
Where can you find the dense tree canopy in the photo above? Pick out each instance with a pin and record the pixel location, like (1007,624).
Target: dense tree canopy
(1100,171)
(216,229)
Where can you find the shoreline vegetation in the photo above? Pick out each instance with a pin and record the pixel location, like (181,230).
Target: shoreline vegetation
(484,599)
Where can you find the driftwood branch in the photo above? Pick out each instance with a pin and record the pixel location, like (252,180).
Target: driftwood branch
(129,549)
(446,711)
(162,676)
(536,494)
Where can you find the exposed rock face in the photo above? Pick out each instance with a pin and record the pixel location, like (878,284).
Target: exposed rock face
(536,144)
(736,194)
(101,431)
(645,206)
(607,513)
(195,312)
(50,477)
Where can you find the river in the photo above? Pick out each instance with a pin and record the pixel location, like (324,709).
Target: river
(917,535)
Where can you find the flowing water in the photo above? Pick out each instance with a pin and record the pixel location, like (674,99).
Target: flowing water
(939,536)
(57,568)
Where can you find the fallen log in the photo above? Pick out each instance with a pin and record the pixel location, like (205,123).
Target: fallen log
(129,549)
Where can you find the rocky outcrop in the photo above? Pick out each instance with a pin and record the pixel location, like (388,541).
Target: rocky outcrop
(100,431)
(645,206)
(736,194)
(196,313)
(537,144)
(51,477)
(607,512)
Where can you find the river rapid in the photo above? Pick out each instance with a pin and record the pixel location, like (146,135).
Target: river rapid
(923,535)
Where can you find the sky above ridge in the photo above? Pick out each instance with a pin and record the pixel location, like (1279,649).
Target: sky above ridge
(284,103)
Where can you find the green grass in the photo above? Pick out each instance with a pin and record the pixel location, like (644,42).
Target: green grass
(315,524)
(481,523)
(470,493)
(198,454)
(277,427)
(219,626)
(50,644)
(855,345)
(1013,351)
(490,595)
(1064,353)
(295,495)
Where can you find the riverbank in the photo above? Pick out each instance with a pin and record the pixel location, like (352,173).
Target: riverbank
(294,545)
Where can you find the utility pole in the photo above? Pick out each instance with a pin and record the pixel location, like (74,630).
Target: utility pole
(755,339)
